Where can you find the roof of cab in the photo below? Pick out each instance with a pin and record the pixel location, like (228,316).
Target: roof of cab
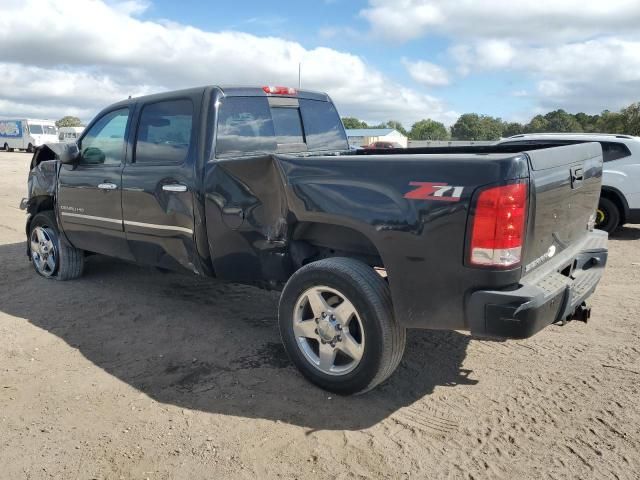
(227,91)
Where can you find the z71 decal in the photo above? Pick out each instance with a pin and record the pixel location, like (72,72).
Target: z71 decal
(434,191)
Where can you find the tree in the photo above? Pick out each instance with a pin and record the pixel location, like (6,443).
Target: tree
(69,121)
(428,129)
(631,119)
(472,126)
(492,127)
(561,121)
(587,122)
(538,124)
(611,122)
(396,125)
(510,129)
(352,122)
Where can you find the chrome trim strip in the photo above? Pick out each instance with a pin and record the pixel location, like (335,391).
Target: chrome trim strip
(159,227)
(130,222)
(91,217)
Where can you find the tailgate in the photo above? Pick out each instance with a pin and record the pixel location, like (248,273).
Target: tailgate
(565,185)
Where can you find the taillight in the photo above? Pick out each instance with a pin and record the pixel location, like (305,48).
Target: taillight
(280,90)
(498,226)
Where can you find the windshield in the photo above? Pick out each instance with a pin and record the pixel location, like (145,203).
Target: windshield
(49,130)
(37,129)
(250,125)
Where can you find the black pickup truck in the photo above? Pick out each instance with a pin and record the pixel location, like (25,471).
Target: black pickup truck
(258,186)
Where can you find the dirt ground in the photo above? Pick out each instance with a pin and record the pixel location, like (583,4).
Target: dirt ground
(134,373)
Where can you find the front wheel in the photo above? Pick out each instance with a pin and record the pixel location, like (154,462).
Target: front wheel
(607,215)
(51,256)
(30,149)
(337,325)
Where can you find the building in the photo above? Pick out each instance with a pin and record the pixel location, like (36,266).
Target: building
(361,137)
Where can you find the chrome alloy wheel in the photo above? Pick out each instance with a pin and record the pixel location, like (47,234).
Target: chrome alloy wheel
(43,251)
(328,330)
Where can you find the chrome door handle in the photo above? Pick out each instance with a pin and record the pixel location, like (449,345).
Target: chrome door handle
(107,186)
(174,187)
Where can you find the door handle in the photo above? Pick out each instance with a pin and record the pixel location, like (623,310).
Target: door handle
(174,187)
(107,186)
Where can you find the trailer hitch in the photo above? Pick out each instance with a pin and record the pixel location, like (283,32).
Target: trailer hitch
(582,313)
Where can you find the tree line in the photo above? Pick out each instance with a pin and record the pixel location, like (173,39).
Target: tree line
(472,126)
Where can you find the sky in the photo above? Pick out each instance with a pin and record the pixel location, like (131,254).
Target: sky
(378,59)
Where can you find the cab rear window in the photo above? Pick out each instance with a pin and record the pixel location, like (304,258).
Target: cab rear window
(249,125)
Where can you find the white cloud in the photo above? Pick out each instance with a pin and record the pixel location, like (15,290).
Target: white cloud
(427,73)
(541,20)
(590,75)
(78,56)
(577,54)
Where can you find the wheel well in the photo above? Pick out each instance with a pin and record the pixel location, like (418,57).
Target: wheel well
(36,205)
(314,241)
(618,200)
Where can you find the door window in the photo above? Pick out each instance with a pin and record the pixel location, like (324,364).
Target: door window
(104,142)
(164,134)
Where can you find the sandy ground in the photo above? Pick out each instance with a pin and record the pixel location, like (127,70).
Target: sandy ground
(133,373)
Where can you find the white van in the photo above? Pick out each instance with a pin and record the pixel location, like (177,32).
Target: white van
(26,133)
(69,134)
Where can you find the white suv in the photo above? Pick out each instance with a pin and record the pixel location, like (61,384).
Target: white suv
(620,196)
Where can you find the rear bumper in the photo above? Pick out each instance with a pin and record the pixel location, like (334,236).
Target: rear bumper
(543,297)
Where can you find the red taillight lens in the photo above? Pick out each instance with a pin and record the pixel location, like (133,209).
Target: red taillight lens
(498,228)
(280,90)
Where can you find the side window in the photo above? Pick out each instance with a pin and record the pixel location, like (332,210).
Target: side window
(104,142)
(164,132)
(244,126)
(614,151)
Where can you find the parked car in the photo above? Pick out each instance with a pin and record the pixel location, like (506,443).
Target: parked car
(620,198)
(379,145)
(69,134)
(258,186)
(26,134)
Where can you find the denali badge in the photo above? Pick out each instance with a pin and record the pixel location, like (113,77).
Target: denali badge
(538,261)
(434,191)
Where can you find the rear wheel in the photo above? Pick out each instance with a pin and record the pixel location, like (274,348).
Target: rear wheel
(5,147)
(607,215)
(337,325)
(52,256)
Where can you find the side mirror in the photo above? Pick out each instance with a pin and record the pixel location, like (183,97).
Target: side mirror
(93,156)
(70,153)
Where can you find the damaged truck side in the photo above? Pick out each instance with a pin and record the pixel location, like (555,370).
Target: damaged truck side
(258,186)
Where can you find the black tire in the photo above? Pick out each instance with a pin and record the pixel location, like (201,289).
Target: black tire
(30,149)
(607,215)
(370,295)
(69,261)
(5,147)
